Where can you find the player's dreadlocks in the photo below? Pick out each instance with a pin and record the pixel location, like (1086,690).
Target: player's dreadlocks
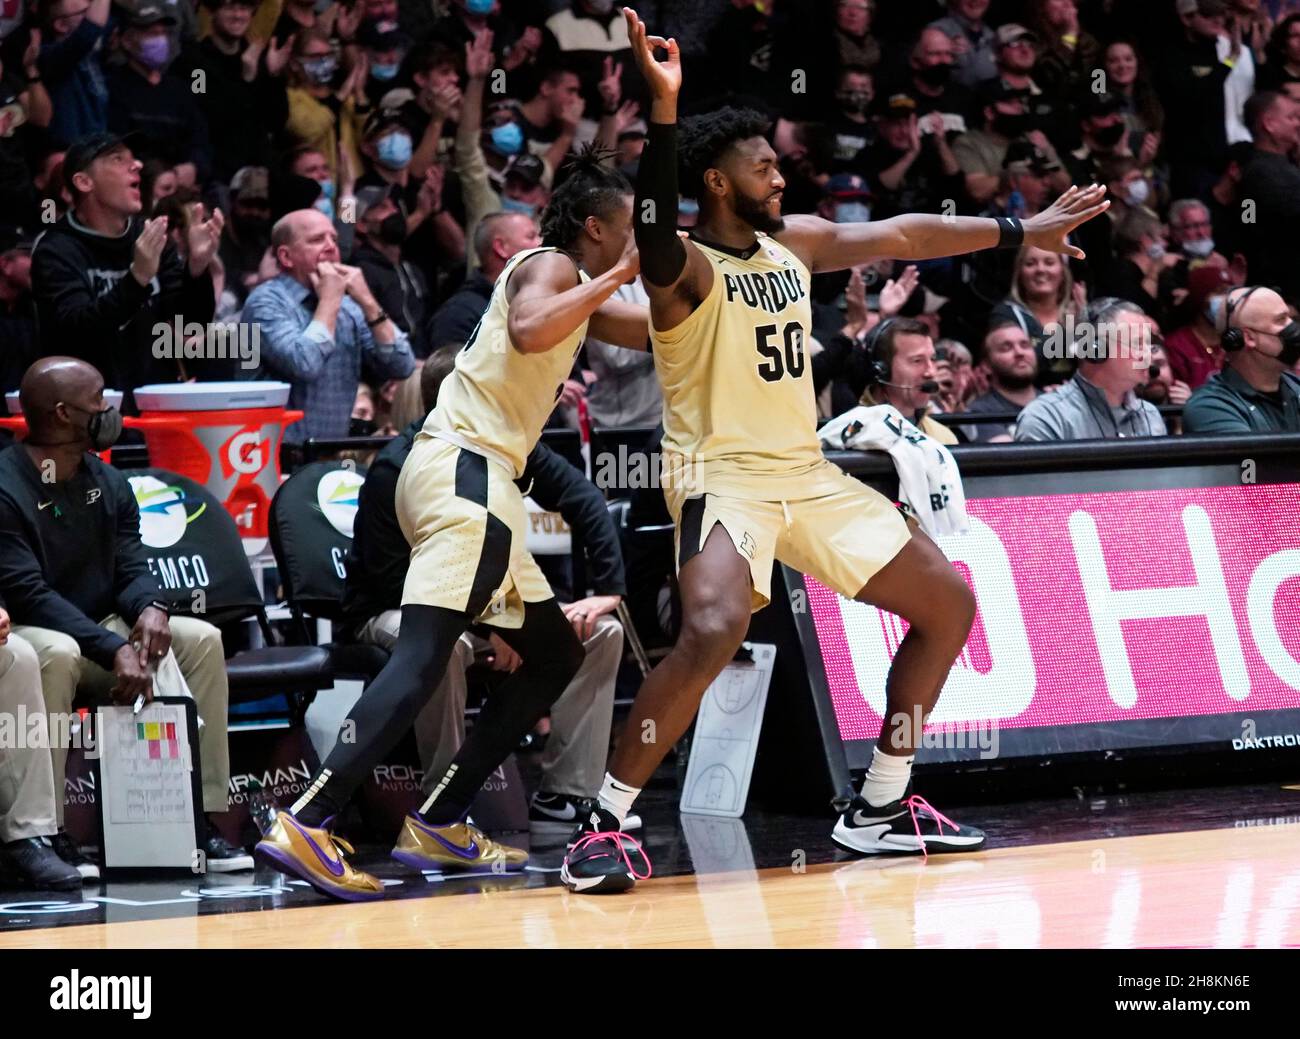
(586,186)
(703,139)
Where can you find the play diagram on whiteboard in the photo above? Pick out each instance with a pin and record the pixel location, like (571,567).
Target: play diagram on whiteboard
(149,780)
(726,736)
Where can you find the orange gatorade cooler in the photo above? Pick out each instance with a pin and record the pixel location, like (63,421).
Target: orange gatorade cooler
(224,435)
(17,425)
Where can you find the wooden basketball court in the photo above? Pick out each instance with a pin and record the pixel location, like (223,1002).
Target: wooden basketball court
(1231,887)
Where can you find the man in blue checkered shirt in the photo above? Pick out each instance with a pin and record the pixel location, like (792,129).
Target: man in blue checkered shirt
(318,323)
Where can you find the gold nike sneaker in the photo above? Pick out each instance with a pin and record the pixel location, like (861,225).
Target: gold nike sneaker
(458,846)
(316,856)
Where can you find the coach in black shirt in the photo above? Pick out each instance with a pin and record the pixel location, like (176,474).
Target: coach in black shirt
(74,575)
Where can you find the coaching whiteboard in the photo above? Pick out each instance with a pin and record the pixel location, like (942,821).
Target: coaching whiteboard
(149,785)
(726,736)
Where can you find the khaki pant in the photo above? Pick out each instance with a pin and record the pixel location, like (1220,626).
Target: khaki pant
(67,676)
(27,806)
(575,756)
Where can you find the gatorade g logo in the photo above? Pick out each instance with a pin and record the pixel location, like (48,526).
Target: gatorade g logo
(164,514)
(336,494)
(244,453)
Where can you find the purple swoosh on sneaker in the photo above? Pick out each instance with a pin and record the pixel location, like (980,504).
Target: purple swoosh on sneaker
(465,853)
(336,868)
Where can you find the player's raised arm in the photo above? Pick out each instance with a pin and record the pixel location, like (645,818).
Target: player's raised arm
(924,236)
(548,301)
(667,264)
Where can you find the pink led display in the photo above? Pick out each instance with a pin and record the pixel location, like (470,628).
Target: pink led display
(1101,607)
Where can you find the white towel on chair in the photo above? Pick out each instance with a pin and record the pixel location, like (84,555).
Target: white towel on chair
(929,483)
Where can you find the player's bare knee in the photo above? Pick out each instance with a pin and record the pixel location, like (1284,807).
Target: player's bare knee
(711,633)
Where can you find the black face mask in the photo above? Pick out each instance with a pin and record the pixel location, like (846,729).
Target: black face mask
(361,427)
(1109,136)
(104,427)
(1290,340)
(1290,337)
(392,229)
(1011,125)
(855,102)
(254,226)
(935,75)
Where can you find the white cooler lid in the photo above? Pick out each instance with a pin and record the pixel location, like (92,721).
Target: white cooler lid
(211,396)
(113,398)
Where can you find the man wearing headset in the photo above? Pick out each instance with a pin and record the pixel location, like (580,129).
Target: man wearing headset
(1113,345)
(1258,390)
(901,371)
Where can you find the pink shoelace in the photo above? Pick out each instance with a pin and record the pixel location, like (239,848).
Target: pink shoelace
(618,837)
(917,803)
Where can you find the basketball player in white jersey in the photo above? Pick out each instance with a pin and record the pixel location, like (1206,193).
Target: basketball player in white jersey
(744,475)
(464,518)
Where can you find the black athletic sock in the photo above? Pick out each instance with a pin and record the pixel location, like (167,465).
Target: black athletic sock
(552,655)
(386,709)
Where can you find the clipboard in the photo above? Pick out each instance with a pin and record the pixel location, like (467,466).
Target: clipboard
(150,789)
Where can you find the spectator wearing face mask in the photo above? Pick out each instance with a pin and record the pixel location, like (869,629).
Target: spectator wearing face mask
(909,171)
(397,284)
(930,83)
(549,119)
(1017,54)
(247,234)
(980,153)
(1194,350)
(385,47)
(1191,233)
(515,44)
(974,42)
(1141,258)
(435,239)
(1104,136)
(852,124)
(322,102)
(72,31)
(1257,391)
(160,108)
(522,186)
(244,102)
(847,200)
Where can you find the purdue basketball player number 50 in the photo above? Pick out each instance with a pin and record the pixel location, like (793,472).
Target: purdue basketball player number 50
(744,475)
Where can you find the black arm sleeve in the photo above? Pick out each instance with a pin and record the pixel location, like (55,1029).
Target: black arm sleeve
(663,257)
(560,487)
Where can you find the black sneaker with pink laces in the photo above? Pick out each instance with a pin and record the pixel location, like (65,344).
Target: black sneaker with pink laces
(599,862)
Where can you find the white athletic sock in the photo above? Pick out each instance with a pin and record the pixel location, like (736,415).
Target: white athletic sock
(886,779)
(617,798)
